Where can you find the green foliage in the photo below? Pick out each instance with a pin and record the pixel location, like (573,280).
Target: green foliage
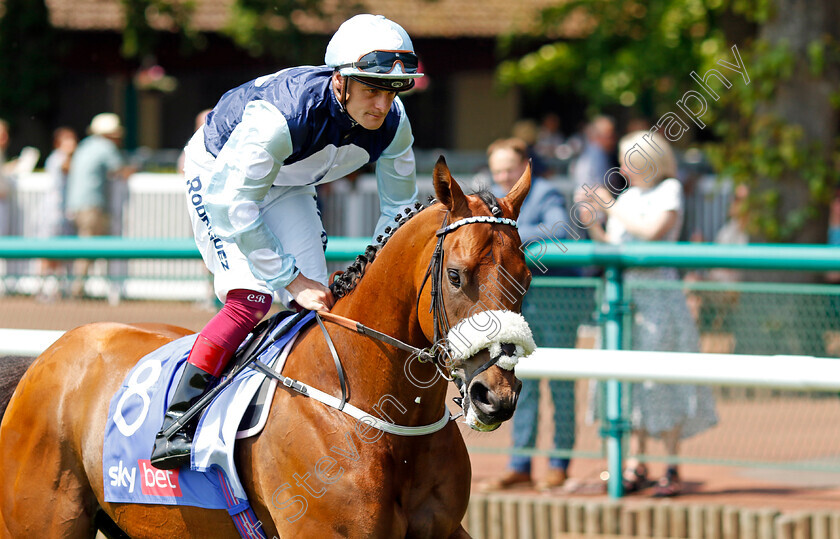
(271,27)
(759,11)
(631,57)
(145,19)
(638,55)
(760,150)
(27,62)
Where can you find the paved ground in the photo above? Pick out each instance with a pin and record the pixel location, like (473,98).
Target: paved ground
(775,429)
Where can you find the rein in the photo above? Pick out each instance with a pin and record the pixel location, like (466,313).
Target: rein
(439,319)
(433,354)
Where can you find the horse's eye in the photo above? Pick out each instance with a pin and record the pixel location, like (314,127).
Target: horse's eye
(454,277)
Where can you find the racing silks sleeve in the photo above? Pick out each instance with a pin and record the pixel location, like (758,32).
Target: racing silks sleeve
(243,172)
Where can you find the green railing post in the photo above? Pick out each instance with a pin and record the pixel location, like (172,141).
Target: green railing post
(615,425)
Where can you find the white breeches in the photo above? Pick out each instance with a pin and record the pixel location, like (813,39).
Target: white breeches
(289,212)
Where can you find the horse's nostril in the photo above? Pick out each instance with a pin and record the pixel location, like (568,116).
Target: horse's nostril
(479,393)
(508,349)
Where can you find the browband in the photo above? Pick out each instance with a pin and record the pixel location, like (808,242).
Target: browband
(476,219)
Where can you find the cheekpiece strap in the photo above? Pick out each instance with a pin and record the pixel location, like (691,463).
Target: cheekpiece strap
(476,219)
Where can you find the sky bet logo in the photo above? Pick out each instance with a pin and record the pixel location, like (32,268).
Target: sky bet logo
(154,482)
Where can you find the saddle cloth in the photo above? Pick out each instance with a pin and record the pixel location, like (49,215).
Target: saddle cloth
(135,416)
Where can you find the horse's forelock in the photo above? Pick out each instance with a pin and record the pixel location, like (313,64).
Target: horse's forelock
(490,201)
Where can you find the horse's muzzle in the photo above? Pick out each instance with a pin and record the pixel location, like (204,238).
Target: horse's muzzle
(494,401)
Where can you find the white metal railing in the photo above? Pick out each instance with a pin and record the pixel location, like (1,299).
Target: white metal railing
(805,373)
(26,342)
(152,205)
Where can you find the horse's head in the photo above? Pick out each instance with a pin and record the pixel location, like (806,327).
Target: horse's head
(471,295)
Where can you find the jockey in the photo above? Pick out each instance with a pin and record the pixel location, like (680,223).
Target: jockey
(251,174)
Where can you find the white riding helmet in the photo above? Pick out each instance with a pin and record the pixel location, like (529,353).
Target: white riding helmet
(374,50)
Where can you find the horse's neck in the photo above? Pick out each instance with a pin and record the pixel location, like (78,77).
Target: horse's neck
(386,296)
(385,300)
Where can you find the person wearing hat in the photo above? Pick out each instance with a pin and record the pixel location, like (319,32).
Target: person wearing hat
(96,160)
(251,174)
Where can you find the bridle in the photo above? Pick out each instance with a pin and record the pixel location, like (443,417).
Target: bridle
(263,337)
(440,320)
(433,354)
(439,349)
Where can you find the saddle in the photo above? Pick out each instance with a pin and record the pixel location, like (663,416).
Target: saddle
(265,334)
(136,408)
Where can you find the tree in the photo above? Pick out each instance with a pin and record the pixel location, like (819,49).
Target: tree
(270,27)
(27,62)
(144,19)
(775,131)
(261,27)
(780,134)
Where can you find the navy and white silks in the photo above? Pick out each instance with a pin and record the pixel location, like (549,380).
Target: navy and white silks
(252,170)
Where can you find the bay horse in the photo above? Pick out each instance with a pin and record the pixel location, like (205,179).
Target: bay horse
(311,472)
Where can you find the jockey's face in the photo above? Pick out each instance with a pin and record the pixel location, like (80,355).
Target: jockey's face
(367,105)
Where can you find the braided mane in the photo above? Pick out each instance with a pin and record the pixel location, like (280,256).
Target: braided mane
(346,281)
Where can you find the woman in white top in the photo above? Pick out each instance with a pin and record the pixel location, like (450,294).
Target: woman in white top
(652,210)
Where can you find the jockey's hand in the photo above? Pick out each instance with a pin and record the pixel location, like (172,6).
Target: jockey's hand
(310,294)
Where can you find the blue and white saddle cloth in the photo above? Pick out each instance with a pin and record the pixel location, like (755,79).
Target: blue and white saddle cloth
(135,416)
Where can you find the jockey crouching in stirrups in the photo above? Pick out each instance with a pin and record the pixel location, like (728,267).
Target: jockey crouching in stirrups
(251,173)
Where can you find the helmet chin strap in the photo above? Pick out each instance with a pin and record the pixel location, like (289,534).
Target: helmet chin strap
(343,99)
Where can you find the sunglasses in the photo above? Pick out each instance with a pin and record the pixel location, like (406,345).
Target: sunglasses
(384,61)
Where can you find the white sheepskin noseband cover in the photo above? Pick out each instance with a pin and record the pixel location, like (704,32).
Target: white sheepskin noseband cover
(492,329)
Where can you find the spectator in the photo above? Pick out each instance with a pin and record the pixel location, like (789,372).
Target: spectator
(713,308)
(596,159)
(733,232)
(544,206)
(52,221)
(5,187)
(833,277)
(96,161)
(5,191)
(526,131)
(549,144)
(834,231)
(652,210)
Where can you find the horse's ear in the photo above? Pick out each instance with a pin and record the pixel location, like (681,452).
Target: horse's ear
(447,190)
(520,190)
